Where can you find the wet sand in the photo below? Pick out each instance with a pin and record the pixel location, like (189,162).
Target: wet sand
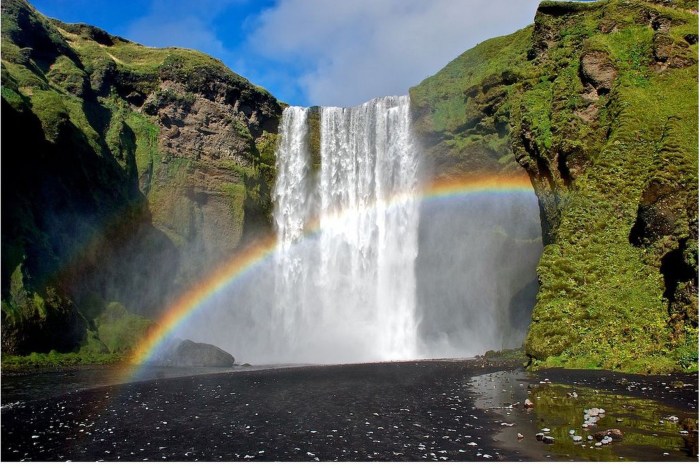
(407,411)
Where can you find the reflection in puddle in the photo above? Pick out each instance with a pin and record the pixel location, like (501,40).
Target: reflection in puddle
(650,430)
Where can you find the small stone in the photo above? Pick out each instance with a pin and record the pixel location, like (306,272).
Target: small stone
(546,429)
(590,437)
(548,440)
(528,404)
(673,418)
(666,454)
(619,420)
(612,434)
(605,441)
(572,432)
(520,436)
(601,411)
(584,425)
(577,438)
(683,432)
(598,444)
(539,436)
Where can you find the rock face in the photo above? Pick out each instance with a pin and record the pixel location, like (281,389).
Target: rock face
(598,71)
(187,353)
(598,103)
(127,171)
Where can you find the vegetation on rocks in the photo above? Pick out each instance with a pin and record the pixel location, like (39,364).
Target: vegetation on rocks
(126,153)
(598,102)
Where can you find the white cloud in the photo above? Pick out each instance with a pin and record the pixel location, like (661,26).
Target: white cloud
(349,52)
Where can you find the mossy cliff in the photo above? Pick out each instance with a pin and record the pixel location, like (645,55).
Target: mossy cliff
(126,172)
(598,103)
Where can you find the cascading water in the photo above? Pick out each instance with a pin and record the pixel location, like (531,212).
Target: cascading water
(368,265)
(348,289)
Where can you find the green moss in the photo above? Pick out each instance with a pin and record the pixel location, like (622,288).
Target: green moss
(147,153)
(267,145)
(66,74)
(18,306)
(605,308)
(237,195)
(119,330)
(55,360)
(601,302)
(536,108)
(16,100)
(51,110)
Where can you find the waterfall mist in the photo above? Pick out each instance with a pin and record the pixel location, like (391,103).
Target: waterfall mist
(476,272)
(367,270)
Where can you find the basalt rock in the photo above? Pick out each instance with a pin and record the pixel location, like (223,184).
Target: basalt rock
(187,353)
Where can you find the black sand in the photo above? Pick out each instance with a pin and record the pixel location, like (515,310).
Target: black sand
(424,410)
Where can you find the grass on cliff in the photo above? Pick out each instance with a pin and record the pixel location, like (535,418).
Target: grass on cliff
(55,360)
(601,302)
(445,93)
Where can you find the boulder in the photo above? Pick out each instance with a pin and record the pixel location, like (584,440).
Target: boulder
(187,353)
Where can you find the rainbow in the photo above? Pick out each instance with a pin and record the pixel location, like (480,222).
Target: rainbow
(229,271)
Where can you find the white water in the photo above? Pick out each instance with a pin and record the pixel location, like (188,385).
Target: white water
(367,271)
(347,292)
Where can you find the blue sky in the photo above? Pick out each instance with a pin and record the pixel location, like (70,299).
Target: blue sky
(311,52)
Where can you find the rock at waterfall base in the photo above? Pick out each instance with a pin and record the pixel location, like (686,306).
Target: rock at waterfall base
(187,353)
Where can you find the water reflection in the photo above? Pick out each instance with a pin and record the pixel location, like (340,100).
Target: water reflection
(652,430)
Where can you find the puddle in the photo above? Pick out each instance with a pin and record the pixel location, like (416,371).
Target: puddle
(651,430)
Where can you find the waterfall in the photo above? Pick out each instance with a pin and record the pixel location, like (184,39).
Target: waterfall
(368,265)
(345,284)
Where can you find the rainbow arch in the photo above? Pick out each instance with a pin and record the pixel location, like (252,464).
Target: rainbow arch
(192,300)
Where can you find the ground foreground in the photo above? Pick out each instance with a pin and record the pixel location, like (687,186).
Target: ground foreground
(425,410)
